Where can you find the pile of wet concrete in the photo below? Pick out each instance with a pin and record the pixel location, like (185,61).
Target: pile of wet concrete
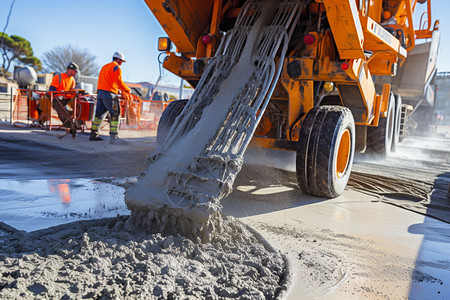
(115,258)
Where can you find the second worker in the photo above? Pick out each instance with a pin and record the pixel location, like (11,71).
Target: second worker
(109,83)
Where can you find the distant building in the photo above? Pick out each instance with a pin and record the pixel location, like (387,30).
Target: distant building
(44,81)
(87,83)
(165,93)
(442,102)
(6,84)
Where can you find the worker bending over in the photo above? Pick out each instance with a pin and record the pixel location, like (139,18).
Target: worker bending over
(109,83)
(64,82)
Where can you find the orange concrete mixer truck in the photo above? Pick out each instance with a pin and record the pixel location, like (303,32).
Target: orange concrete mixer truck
(307,76)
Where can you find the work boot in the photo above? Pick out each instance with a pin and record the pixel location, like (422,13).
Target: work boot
(95,136)
(72,132)
(114,139)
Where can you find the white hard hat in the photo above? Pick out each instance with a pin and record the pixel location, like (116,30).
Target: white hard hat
(119,55)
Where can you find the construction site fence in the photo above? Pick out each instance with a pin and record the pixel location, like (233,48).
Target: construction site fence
(35,108)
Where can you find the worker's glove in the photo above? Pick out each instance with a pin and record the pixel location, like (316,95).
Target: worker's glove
(127,96)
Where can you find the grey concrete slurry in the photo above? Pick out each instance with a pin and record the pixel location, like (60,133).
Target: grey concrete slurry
(65,230)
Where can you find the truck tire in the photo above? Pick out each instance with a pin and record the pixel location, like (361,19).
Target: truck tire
(325,151)
(379,139)
(172,111)
(397,122)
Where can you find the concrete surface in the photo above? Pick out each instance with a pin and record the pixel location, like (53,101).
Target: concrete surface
(356,246)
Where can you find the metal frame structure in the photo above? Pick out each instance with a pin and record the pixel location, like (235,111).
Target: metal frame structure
(135,113)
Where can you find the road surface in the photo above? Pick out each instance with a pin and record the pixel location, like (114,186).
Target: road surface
(387,236)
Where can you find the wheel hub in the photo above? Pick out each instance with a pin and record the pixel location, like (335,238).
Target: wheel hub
(343,153)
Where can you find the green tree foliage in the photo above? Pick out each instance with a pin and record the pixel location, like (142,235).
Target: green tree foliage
(57,59)
(17,49)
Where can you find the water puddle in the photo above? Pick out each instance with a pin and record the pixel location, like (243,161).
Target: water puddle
(36,204)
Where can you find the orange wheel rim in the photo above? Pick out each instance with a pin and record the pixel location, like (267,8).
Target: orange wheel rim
(343,153)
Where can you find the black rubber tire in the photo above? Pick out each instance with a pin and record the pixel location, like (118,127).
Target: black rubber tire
(172,111)
(397,122)
(379,139)
(318,145)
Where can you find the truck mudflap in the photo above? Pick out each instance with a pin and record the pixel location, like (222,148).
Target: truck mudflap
(196,166)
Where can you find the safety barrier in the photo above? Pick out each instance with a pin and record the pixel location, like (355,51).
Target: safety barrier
(140,114)
(34,108)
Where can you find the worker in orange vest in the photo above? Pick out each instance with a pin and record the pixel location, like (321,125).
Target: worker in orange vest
(64,82)
(109,83)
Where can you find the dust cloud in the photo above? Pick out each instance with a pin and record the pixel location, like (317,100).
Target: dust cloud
(416,177)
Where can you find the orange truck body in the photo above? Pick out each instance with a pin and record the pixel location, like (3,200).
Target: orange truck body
(355,41)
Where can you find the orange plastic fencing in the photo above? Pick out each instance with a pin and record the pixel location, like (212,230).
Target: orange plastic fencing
(140,114)
(33,108)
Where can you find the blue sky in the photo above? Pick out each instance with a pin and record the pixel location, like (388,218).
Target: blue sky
(101,26)
(106,26)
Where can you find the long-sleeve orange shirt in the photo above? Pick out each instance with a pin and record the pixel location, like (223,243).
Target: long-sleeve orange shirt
(110,79)
(62,82)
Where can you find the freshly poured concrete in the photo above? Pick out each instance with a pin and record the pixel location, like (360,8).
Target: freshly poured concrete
(354,246)
(359,245)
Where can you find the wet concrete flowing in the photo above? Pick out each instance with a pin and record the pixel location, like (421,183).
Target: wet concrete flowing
(196,166)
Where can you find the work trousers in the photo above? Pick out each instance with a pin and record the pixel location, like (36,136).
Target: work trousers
(59,104)
(107,102)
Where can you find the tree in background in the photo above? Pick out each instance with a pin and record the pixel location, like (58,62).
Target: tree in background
(17,49)
(57,59)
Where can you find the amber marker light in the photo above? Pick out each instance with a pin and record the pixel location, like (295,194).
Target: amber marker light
(164,44)
(328,86)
